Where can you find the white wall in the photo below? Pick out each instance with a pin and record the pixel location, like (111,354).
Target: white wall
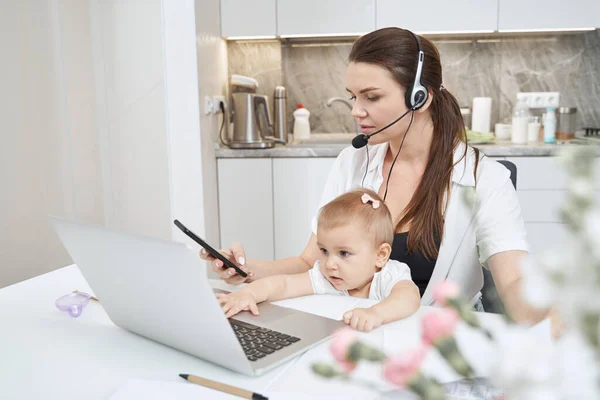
(190,132)
(212,80)
(157,147)
(101,122)
(130,97)
(157,151)
(49,156)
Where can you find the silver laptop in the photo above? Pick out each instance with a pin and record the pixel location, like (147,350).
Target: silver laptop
(160,290)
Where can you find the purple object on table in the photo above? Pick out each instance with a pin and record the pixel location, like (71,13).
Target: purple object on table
(73,303)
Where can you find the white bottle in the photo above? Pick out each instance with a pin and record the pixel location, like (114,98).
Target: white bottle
(520,122)
(550,125)
(533,130)
(301,123)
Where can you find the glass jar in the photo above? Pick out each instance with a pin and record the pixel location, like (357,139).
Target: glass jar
(566,123)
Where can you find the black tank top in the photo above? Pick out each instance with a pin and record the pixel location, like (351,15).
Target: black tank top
(421,268)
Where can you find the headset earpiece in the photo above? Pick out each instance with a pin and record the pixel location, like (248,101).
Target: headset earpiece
(420,99)
(416,93)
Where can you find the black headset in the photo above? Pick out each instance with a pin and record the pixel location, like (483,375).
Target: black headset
(416,94)
(416,97)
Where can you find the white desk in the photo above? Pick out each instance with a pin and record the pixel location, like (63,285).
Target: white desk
(45,353)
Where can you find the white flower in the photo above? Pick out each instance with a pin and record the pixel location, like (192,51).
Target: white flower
(469,197)
(581,188)
(525,366)
(539,289)
(577,369)
(591,232)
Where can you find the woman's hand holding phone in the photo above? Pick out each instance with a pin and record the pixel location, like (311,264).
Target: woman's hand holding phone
(236,254)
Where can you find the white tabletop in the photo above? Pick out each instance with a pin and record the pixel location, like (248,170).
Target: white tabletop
(45,353)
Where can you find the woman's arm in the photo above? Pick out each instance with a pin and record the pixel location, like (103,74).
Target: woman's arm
(257,269)
(506,271)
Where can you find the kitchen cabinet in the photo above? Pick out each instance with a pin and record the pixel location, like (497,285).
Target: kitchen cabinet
(548,14)
(268,204)
(542,188)
(449,16)
(288,18)
(544,236)
(297,188)
(248,18)
(325,17)
(246,205)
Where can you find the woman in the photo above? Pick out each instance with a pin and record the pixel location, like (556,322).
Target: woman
(423,169)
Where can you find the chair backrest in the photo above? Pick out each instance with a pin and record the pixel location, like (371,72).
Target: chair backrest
(490,298)
(513,171)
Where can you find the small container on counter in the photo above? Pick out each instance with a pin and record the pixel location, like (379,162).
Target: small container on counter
(566,121)
(533,130)
(520,121)
(481,114)
(503,131)
(466,114)
(301,123)
(550,125)
(280,118)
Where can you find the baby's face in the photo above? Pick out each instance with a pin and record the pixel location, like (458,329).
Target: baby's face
(348,259)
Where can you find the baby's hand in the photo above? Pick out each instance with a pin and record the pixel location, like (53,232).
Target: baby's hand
(233,303)
(363,319)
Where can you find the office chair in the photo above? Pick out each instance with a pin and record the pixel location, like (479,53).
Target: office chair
(490,298)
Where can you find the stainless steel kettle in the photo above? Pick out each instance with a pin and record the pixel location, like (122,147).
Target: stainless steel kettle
(252,124)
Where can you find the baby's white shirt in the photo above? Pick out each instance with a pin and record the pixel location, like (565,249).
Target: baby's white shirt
(381,287)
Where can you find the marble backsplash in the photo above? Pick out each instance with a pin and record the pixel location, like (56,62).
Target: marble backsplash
(499,68)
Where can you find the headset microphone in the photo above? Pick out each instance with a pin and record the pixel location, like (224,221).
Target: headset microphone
(361,140)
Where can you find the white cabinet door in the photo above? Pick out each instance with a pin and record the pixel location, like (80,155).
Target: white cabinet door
(325,17)
(548,14)
(539,173)
(248,18)
(545,236)
(297,187)
(246,205)
(438,15)
(545,173)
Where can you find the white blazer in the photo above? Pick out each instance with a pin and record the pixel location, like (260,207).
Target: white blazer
(472,233)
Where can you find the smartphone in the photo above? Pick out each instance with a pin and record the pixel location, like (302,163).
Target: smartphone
(226,263)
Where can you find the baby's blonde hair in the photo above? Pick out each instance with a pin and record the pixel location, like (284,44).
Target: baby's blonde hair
(347,208)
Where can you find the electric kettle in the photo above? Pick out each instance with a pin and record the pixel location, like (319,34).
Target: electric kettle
(252,125)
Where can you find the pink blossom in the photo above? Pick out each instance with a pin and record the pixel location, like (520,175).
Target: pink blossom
(340,344)
(445,291)
(347,366)
(402,368)
(437,325)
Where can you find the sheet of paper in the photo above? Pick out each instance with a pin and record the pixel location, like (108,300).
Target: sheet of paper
(136,389)
(164,390)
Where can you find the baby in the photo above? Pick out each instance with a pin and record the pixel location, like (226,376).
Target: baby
(354,235)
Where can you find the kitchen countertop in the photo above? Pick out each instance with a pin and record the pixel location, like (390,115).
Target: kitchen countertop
(330,145)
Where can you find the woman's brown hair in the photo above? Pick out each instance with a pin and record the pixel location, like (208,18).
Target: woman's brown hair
(396,50)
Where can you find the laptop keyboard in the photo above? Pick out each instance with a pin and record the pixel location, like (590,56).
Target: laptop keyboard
(259,342)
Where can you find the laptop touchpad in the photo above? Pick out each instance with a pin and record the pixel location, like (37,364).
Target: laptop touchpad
(268,314)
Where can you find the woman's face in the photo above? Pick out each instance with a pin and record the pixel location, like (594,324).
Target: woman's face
(378,100)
